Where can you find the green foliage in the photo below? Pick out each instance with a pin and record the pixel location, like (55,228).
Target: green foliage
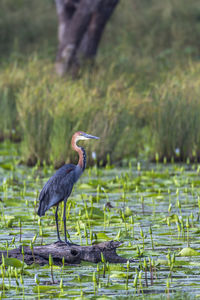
(152,35)
(144,51)
(11,79)
(101,110)
(188,252)
(176,115)
(141,37)
(27,26)
(34,105)
(50,111)
(13,262)
(47,110)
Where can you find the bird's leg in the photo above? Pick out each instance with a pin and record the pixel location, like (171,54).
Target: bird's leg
(65,230)
(64,220)
(56,217)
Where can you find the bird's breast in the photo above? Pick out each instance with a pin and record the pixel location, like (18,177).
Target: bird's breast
(77,173)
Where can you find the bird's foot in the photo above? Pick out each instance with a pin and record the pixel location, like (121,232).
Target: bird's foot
(70,244)
(59,241)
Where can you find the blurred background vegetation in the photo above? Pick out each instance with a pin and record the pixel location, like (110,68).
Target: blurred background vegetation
(142,97)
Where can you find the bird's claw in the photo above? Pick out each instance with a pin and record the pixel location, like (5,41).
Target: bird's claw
(59,241)
(70,244)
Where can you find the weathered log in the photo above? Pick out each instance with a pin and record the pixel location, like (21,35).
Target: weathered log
(72,254)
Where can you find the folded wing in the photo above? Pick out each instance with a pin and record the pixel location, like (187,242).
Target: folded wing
(57,188)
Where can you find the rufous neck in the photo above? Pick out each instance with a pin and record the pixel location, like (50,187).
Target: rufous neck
(81,153)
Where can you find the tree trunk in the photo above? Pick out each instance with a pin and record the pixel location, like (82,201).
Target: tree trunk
(80,27)
(73,254)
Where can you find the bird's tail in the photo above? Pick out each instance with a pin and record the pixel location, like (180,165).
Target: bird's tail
(41,209)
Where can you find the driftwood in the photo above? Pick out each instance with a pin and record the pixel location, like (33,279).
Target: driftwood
(72,254)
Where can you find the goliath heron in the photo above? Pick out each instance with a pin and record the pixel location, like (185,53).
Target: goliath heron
(58,188)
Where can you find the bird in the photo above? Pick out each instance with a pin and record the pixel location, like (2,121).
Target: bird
(59,187)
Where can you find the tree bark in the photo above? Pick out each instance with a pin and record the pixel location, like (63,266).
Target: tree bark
(80,27)
(73,254)
(90,42)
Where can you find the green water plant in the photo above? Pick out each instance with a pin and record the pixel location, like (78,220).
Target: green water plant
(51,268)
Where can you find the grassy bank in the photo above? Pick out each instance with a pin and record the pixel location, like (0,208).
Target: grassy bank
(142,97)
(162,121)
(50,110)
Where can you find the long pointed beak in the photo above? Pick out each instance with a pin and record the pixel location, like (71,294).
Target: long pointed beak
(91,136)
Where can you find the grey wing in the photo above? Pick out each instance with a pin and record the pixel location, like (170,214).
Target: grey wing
(57,188)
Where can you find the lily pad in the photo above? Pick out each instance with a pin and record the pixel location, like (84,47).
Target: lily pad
(13,262)
(188,252)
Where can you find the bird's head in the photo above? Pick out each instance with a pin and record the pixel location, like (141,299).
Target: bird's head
(80,135)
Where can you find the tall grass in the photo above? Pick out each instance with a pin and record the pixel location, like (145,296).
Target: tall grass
(50,111)
(35,106)
(11,80)
(176,115)
(136,99)
(108,111)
